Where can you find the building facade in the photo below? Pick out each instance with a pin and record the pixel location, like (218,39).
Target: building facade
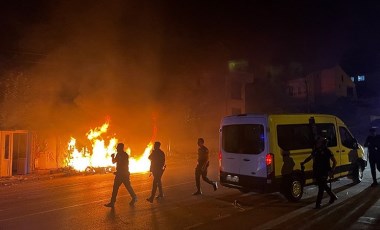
(322,87)
(235,86)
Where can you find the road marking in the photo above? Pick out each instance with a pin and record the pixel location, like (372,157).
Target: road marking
(221,217)
(193,226)
(367,220)
(294,214)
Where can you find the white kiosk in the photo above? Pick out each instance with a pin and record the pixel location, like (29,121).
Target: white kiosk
(15,152)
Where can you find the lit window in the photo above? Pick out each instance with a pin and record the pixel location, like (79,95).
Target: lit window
(352,79)
(361,78)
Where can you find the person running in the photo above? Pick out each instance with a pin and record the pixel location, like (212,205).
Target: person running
(201,168)
(121,175)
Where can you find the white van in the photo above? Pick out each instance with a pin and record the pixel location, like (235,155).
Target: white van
(263,152)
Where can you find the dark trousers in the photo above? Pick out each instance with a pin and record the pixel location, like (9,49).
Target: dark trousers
(374,163)
(322,186)
(121,179)
(201,172)
(157,183)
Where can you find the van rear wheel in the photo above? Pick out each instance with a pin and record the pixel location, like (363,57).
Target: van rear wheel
(293,188)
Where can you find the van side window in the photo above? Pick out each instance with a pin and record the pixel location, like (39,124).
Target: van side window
(244,139)
(299,136)
(328,131)
(292,137)
(346,138)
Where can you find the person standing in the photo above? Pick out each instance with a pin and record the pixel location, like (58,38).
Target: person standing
(321,156)
(157,168)
(121,175)
(373,153)
(201,168)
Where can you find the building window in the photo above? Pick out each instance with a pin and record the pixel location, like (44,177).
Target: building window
(299,90)
(290,91)
(361,78)
(6,148)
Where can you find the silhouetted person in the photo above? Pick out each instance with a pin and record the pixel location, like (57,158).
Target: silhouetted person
(201,169)
(157,168)
(121,175)
(287,168)
(288,165)
(373,153)
(321,156)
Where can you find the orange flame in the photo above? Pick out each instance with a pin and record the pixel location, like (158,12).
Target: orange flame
(100,156)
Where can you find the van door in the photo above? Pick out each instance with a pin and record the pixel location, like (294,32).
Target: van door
(230,157)
(327,128)
(243,146)
(349,155)
(252,162)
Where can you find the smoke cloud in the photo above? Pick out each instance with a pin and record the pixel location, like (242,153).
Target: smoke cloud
(102,59)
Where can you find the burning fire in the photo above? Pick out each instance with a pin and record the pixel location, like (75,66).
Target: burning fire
(100,156)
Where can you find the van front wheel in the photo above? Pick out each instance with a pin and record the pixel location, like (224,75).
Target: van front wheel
(293,188)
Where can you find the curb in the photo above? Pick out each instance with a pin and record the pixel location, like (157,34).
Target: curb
(9,181)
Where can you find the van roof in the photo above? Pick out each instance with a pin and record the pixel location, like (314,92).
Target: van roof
(253,115)
(278,114)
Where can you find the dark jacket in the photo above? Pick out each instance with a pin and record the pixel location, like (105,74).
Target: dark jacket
(157,159)
(202,156)
(321,162)
(370,143)
(122,163)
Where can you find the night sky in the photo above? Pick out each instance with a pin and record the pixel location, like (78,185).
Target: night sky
(181,33)
(131,58)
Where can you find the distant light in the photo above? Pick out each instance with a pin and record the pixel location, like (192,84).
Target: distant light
(238,66)
(352,79)
(361,78)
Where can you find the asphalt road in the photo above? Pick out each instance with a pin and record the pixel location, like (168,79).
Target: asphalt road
(76,202)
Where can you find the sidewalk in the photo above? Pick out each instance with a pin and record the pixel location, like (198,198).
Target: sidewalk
(36,175)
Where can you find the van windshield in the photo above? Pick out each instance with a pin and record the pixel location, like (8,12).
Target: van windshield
(244,138)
